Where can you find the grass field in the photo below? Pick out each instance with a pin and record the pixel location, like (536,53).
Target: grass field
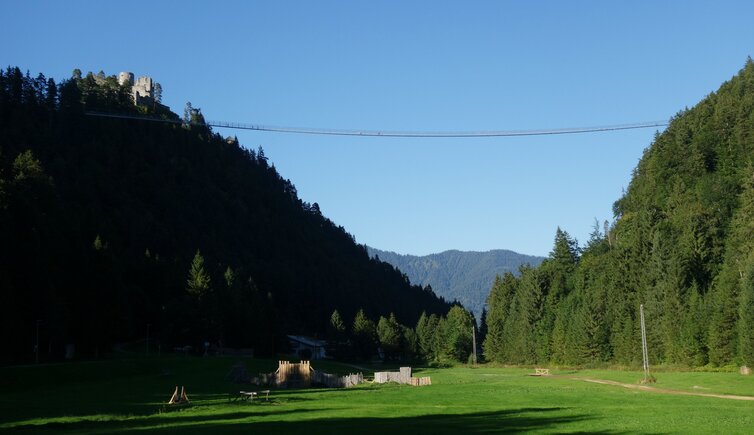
(121,396)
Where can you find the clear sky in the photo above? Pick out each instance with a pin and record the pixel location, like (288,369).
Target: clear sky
(416,65)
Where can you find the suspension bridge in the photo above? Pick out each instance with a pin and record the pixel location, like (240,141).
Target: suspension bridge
(381,133)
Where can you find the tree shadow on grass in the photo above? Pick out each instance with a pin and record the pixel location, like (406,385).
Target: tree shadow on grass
(308,391)
(494,422)
(150,422)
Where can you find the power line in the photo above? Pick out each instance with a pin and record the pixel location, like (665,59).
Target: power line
(415,134)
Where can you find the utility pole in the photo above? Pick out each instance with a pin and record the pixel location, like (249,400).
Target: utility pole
(645,355)
(473,344)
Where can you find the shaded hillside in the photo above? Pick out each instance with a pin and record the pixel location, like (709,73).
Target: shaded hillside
(682,244)
(109,227)
(456,275)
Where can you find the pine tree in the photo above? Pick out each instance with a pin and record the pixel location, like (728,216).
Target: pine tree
(389,334)
(722,325)
(230,277)
(426,328)
(158,92)
(458,334)
(410,343)
(440,348)
(97,244)
(198,283)
(694,331)
(561,342)
(522,325)
(482,334)
(188,112)
(51,100)
(364,335)
(336,333)
(626,340)
(591,331)
(336,324)
(555,281)
(498,302)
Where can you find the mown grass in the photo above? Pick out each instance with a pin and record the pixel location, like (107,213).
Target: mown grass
(697,382)
(121,396)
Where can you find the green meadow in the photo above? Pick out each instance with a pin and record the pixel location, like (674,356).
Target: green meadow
(122,396)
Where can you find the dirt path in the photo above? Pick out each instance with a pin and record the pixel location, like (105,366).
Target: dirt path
(660,390)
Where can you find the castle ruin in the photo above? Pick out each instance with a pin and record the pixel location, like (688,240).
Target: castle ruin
(142,90)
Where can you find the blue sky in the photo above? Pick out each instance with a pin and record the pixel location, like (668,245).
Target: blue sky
(398,65)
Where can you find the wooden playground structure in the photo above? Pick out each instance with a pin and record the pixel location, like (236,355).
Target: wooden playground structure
(294,375)
(179,398)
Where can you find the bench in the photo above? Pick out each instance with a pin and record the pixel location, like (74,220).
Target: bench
(541,372)
(250,395)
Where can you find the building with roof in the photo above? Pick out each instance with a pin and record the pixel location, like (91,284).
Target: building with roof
(307,348)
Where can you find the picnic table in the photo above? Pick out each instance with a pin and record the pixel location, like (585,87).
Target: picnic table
(250,395)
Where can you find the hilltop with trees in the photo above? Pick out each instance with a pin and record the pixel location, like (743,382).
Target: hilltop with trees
(112,229)
(682,244)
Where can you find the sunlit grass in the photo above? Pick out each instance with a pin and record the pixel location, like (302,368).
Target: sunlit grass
(129,395)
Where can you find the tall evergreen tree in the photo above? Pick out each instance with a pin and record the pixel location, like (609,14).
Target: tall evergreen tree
(336,333)
(523,325)
(498,303)
(694,331)
(389,334)
(337,326)
(410,343)
(364,335)
(459,324)
(158,92)
(198,282)
(426,329)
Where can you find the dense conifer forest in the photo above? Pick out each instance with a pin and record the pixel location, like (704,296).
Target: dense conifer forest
(110,228)
(682,244)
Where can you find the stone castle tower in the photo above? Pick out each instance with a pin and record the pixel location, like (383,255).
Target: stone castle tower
(142,89)
(126,77)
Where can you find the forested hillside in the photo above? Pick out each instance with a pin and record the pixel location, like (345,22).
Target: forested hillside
(460,276)
(682,244)
(110,228)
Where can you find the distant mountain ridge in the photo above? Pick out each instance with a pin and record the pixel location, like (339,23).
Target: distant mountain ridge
(465,276)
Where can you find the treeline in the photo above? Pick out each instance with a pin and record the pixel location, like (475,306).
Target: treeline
(435,338)
(682,244)
(105,225)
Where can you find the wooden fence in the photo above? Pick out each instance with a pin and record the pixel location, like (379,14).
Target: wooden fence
(334,381)
(300,375)
(402,377)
